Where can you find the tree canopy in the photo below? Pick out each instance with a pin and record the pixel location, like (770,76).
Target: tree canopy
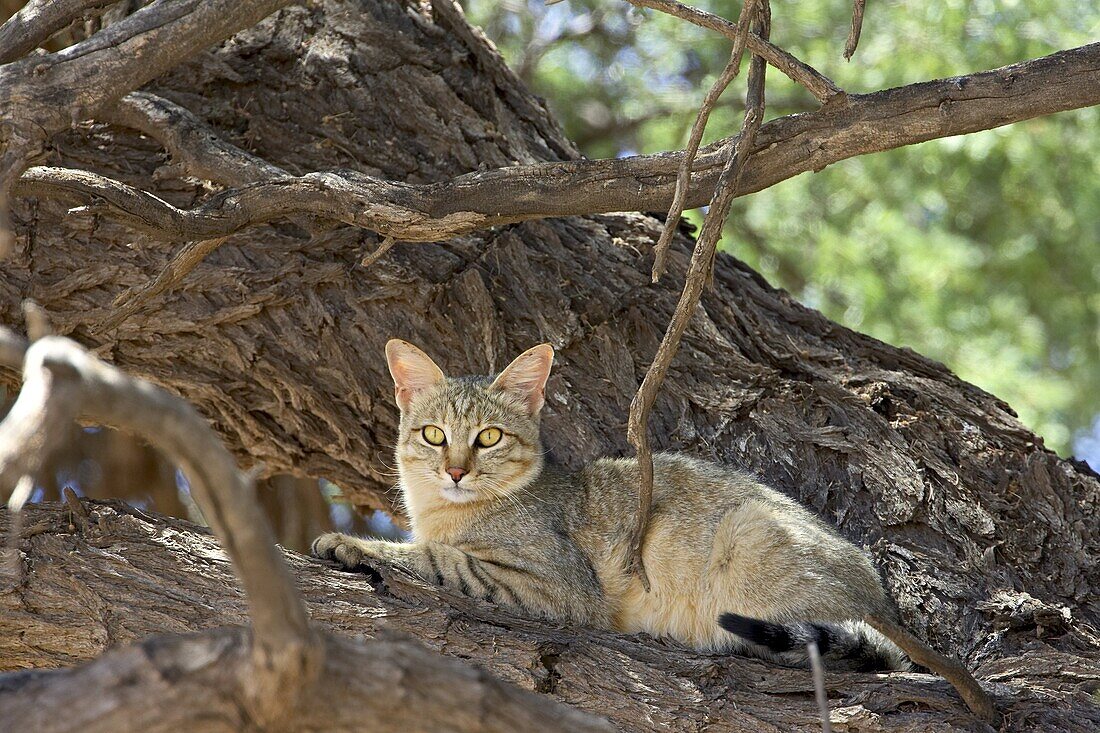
(979,251)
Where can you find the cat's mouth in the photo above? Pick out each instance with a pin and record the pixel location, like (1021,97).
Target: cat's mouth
(458,494)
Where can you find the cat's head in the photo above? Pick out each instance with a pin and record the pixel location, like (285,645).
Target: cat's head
(466,439)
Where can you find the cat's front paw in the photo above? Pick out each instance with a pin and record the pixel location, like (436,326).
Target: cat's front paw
(341,548)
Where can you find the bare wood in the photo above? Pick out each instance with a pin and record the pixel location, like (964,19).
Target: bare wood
(959,677)
(799,72)
(62,382)
(698,275)
(683,175)
(36,21)
(858,7)
(784,148)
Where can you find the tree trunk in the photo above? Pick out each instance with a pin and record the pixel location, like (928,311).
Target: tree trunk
(988,541)
(121,575)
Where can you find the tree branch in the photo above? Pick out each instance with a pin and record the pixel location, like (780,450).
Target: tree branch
(698,274)
(656,686)
(42,95)
(683,175)
(190,141)
(784,148)
(36,21)
(961,679)
(858,7)
(819,85)
(61,382)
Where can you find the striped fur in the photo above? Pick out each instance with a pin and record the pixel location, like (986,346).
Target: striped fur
(516,531)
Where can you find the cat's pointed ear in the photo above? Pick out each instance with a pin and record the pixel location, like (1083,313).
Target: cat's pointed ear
(412,370)
(526,376)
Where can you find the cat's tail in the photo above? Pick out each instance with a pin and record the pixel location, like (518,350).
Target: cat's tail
(848,645)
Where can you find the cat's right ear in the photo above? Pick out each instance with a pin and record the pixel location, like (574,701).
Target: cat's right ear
(412,370)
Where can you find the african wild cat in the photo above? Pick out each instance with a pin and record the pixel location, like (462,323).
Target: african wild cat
(734,565)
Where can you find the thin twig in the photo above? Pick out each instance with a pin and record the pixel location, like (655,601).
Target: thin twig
(378,253)
(179,267)
(858,6)
(61,381)
(956,674)
(683,176)
(698,274)
(819,85)
(818,670)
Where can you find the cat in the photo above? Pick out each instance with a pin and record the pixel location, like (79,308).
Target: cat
(735,566)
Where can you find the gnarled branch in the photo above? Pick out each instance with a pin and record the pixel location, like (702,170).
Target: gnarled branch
(784,148)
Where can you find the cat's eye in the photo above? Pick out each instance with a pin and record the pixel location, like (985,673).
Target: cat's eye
(433,435)
(489,437)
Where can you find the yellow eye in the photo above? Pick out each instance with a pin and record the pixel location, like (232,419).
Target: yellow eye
(489,437)
(433,435)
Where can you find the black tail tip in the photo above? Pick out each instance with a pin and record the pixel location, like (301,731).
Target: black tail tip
(766,634)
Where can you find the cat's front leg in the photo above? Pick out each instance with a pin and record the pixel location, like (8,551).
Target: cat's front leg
(353,552)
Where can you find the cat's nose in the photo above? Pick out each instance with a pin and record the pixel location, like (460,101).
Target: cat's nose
(457,473)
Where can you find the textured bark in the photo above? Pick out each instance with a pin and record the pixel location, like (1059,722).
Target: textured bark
(983,536)
(123,575)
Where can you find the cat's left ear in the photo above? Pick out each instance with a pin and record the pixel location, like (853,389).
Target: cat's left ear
(526,376)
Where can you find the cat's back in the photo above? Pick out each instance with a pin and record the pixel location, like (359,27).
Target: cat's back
(681,483)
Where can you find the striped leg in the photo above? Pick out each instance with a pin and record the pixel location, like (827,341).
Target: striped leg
(440,564)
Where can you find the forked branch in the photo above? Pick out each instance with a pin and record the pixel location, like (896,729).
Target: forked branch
(785,147)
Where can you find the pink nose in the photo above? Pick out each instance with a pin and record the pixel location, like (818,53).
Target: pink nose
(457,473)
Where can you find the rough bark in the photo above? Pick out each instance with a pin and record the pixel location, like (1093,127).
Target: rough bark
(277,337)
(123,575)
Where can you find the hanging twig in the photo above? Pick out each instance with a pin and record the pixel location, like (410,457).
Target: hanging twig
(858,6)
(818,670)
(702,261)
(956,674)
(683,175)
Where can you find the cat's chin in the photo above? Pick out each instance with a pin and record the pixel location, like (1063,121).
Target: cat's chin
(457,494)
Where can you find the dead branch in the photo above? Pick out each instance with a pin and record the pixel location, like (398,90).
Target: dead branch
(184,261)
(36,21)
(784,148)
(698,275)
(799,72)
(683,175)
(961,679)
(820,693)
(858,6)
(190,141)
(98,71)
(61,382)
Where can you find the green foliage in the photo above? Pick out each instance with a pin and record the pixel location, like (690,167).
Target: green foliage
(979,251)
